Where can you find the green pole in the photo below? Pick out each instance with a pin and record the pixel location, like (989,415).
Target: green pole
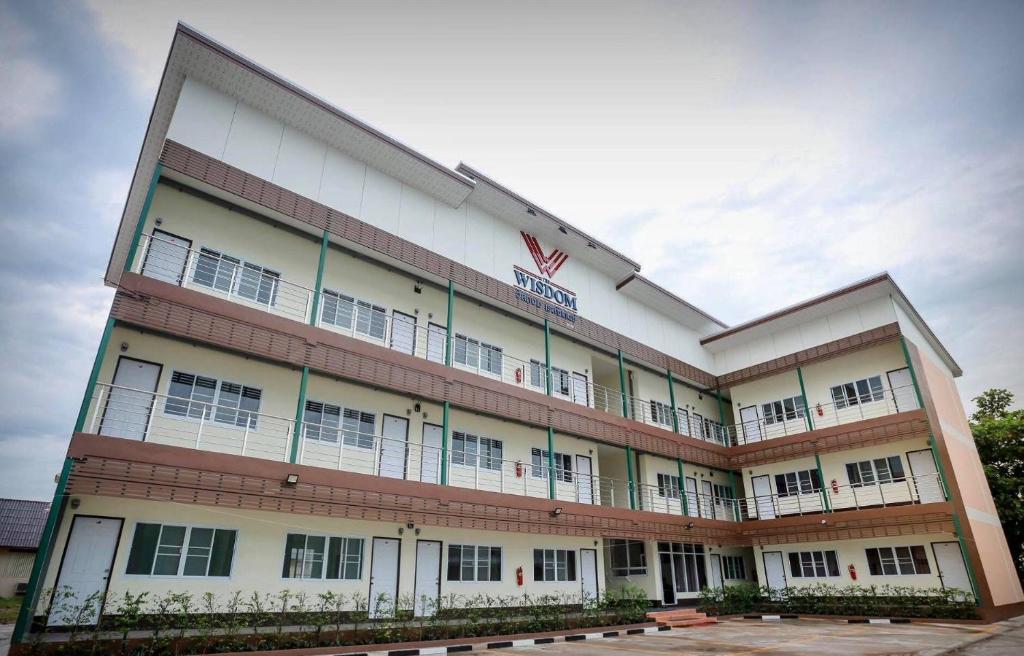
(672,400)
(42,555)
(933,445)
(449,344)
(547,356)
(97,364)
(721,418)
(622,386)
(682,486)
(137,237)
(551,463)
(735,503)
(913,374)
(821,479)
(632,479)
(967,559)
(300,410)
(324,245)
(803,395)
(444,442)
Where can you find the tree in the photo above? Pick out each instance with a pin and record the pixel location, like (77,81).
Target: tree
(999,434)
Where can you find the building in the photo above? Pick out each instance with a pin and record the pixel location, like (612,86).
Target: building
(21,524)
(332,361)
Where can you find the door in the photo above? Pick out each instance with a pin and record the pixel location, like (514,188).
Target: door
(952,570)
(697,426)
(430,455)
(926,478)
(403,332)
(668,579)
(166,257)
(903,392)
(130,401)
(716,571)
(707,507)
(428,578)
(436,336)
(751,424)
(85,568)
(394,447)
(584,480)
(588,575)
(692,509)
(384,577)
(580,389)
(774,570)
(763,500)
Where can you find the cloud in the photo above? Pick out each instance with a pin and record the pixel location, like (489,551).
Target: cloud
(31,89)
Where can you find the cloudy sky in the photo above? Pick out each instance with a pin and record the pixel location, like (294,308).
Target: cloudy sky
(749,155)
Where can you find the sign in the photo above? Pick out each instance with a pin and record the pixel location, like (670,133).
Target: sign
(538,290)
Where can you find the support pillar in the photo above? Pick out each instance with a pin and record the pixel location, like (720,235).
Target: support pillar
(547,357)
(803,395)
(300,414)
(632,478)
(735,498)
(680,466)
(551,463)
(821,477)
(318,290)
(449,334)
(672,400)
(622,386)
(444,441)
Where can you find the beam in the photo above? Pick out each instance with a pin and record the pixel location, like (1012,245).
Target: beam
(547,357)
(449,334)
(551,463)
(300,413)
(821,479)
(324,245)
(622,386)
(803,395)
(680,466)
(672,400)
(631,477)
(444,440)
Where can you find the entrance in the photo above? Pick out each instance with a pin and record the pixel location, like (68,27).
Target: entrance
(130,401)
(166,257)
(588,575)
(683,569)
(85,568)
(903,393)
(949,559)
(403,332)
(763,497)
(716,571)
(751,424)
(394,447)
(384,577)
(430,454)
(774,570)
(428,578)
(584,480)
(926,477)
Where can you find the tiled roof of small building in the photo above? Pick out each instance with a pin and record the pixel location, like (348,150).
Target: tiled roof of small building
(21,522)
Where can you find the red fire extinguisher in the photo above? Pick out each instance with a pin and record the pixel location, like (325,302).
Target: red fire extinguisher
(835,486)
(519,575)
(821,413)
(519,469)
(519,375)
(853,572)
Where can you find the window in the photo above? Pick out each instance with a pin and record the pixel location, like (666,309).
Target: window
(684,421)
(805,481)
(231,275)
(861,391)
(777,412)
(468,450)
(889,561)
(195,396)
(258,284)
(811,564)
(628,557)
(478,355)
(471,563)
(661,413)
(353,315)
(713,430)
(324,422)
(733,568)
(322,557)
(561,382)
(721,492)
(215,270)
(873,472)
(668,486)
(563,465)
(554,565)
(166,550)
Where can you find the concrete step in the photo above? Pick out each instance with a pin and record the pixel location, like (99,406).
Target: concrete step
(696,621)
(680,613)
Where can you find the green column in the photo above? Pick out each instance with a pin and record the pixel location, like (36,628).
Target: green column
(449,344)
(672,400)
(803,395)
(300,411)
(913,374)
(735,502)
(967,559)
(721,417)
(140,226)
(939,467)
(547,356)
(682,486)
(821,477)
(631,477)
(42,555)
(324,245)
(551,463)
(444,442)
(622,386)
(97,364)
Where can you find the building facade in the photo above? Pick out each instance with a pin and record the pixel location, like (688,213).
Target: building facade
(334,363)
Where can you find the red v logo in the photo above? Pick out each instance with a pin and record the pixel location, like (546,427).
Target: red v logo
(547,264)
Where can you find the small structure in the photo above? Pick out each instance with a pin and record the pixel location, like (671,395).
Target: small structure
(21,524)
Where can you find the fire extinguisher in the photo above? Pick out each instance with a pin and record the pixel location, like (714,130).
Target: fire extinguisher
(853,572)
(821,413)
(835,488)
(519,468)
(519,375)
(519,575)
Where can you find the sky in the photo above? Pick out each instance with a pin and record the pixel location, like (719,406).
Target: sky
(748,155)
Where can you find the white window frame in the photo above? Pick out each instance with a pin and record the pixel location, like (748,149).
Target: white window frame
(183,556)
(896,562)
(734,568)
(661,413)
(621,545)
(240,266)
(476,549)
(783,410)
(853,393)
(211,409)
(346,539)
(493,463)
(810,559)
(551,557)
(350,437)
(563,465)
(876,476)
(669,483)
(358,307)
(480,346)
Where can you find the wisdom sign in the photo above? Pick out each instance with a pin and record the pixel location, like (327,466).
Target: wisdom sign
(538,290)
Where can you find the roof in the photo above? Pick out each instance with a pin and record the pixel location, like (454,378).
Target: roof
(653,294)
(21,522)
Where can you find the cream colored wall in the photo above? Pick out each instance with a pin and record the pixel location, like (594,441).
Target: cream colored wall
(259,552)
(851,552)
(819,377)
(774,388)
(649,583)
(748,563)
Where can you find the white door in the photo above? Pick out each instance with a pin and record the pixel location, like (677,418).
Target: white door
(584,480)
(166,257)
(716,571)
(763,500)
(707,505)
(430,455)
(393,447)
(774,570)
(926,477)
(692,509)
(436,336)
(129,402)
(903,391)
(751,424)
(403,332)
(428,578)
(588,574)
(952,570)
(579,389)
(384,577)
(85,569)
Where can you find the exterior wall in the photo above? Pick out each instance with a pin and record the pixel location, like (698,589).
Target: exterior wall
(15,567)
(746,553)
(259,552)
(649,583)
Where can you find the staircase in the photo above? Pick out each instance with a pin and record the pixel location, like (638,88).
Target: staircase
(680,617)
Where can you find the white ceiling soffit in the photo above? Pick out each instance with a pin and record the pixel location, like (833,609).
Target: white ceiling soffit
(548,228)
(667,303)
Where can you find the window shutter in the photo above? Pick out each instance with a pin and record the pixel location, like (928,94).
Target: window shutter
(780,485)
(140,559)
(538,565)
(454,562)
(794,565)
(223,551)
(917,552)
(833,563)
(294,546)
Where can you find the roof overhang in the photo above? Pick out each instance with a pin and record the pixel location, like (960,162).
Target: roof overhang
(672,306)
